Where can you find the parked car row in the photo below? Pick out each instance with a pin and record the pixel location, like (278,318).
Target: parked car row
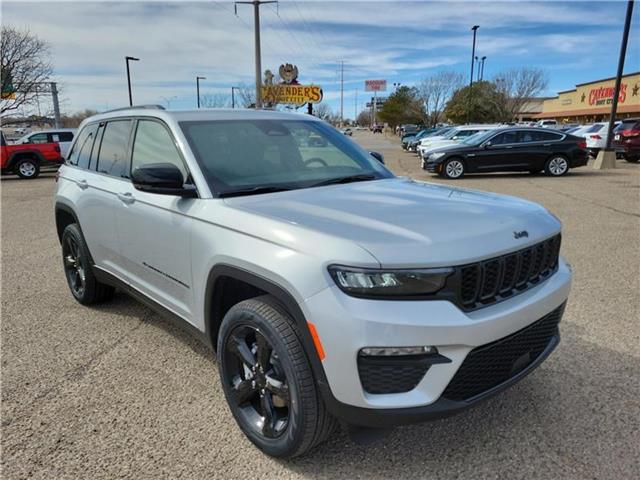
(454,151)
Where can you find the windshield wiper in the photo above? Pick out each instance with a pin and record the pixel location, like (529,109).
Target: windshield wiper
(254,191)
(361,177)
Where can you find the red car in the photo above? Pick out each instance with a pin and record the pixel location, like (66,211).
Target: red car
(26,160)
(627,138)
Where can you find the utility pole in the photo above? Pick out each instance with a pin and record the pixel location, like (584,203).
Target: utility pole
(56,105)
(607,156)
(127,59)
(473,52)
(198,88)
(256,29)
(341,93)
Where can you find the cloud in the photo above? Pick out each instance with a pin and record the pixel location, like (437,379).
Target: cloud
(400,41)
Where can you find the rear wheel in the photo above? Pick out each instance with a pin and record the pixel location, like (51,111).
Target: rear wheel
(453,168)
(556,166)
(632,159)
(83,284)
(27,168)
(267,379)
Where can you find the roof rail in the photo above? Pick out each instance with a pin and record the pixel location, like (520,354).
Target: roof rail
(150,107)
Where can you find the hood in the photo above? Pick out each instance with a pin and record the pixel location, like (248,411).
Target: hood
(404,223)
(449,147)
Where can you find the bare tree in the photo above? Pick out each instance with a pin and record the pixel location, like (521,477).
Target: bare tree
(26,67)
(216,100)
(364,118)
(518,86)
(75,119)
(436,90)
(322,111)
(247,96)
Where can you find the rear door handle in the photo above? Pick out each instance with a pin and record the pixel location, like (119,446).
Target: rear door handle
(83,184)
(126,198)
(546,144)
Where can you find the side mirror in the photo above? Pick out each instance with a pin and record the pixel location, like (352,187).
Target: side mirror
(378,156)
(163,179)
(487,144)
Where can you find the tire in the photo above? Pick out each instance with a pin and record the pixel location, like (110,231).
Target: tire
(453,168)
(81,280)
(27,168)
(556,166)
(632,159)
(300,420)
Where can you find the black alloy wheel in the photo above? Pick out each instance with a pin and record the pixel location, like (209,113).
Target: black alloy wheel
(258,382)
(74,266)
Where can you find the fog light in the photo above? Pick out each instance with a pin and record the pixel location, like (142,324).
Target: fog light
(397,351)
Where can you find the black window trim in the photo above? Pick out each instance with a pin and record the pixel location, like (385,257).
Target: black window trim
(75,144)
(561,137)
(127,150)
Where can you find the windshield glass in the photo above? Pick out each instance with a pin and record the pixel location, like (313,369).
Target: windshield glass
(245,154)
(477,138)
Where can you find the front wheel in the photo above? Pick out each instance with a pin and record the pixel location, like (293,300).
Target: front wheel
(453,168)
(267,379)
(556,166)
(27,168)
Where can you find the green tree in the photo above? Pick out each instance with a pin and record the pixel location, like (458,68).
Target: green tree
(402,106)
(480,103)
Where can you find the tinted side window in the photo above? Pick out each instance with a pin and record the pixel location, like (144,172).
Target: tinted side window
(64,136)
(112,156)
(83,146)
(548,136)
(505,138)
(153,144)
(39,138)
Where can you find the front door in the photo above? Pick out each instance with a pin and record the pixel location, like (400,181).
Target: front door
(155,230)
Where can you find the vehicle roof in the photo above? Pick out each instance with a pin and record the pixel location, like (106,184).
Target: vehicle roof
(52,130)
(203,114)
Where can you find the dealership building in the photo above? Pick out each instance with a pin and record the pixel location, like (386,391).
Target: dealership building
(591,102)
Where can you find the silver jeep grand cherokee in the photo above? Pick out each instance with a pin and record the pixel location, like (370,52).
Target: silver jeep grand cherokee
(330,289)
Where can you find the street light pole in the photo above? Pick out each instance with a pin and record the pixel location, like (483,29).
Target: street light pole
(607,157)
(198,88)
(256,29)
(233,97)
(473,52)
(127,59)
(482,68)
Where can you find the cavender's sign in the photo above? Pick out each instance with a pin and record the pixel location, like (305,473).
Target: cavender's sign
(294,94)
(289,91)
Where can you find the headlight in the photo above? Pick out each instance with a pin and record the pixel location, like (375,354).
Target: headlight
(389,283)
(437,155)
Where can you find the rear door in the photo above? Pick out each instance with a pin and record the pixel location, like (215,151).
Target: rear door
(64,140)
(104,165)
(155,230)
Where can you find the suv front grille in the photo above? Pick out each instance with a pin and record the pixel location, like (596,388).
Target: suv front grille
(496,279)
(490,365)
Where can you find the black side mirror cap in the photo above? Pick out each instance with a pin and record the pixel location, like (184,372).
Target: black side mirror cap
(162,179)
(378,156)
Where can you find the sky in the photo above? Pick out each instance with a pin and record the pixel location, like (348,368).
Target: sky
(402,42)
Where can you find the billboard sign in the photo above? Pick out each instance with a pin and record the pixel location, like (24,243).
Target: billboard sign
(375,85)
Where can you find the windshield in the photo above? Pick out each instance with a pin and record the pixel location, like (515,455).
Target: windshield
(239,155)
(478,138)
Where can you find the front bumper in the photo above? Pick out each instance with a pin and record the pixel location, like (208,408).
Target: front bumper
(346,324)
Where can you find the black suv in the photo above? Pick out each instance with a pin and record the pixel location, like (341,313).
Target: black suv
(510,150)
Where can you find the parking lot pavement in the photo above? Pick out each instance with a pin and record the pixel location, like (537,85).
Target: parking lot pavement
(115,391)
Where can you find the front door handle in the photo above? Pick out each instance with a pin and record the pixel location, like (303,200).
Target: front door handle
(83,184)
(126,198)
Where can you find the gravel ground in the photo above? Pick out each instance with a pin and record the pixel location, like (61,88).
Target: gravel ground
(116,391)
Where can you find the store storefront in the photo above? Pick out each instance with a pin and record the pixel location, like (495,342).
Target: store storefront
(591,102)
